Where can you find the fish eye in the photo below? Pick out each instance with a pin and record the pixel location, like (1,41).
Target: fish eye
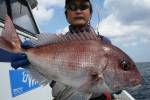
(125,65)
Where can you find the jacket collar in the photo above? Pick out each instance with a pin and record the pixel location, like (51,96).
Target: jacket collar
(86,28)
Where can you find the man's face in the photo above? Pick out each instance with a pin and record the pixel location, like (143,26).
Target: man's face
(78,13)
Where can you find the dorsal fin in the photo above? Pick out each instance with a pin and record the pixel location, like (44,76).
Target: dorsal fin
(53,38)
(80,36)
(45,38)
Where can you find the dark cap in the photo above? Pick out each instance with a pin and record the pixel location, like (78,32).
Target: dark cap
(68,1)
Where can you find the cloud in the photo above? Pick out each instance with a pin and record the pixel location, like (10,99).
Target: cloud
(45,10)
(49,3)
(63,30)
(43,15)
(125,19)
(128,11)
(111,26)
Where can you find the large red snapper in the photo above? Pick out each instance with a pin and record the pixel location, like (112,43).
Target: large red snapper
(83,62)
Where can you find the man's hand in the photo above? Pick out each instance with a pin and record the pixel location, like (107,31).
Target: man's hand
(20,59)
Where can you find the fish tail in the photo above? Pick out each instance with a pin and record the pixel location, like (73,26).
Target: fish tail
(9,40)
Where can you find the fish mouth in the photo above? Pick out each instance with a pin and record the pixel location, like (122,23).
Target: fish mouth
(135,82)
(127,88)
(132,88)
(136,87)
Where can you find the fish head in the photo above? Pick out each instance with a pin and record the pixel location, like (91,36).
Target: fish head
(121,71)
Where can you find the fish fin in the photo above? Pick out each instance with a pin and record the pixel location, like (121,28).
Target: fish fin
(75,95)
(34,74)
(84,96)
(78,36)
(70,93)
(44,39)
(9,40)
(54,38)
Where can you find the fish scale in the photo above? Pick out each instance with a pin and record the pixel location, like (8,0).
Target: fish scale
(83,62)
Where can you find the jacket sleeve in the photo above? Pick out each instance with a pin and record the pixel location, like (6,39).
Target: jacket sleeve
(6,56)
(105,39)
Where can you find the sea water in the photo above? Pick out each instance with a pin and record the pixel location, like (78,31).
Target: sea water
(143,92)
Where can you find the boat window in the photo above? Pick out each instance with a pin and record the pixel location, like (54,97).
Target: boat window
(3,9)
(22,16)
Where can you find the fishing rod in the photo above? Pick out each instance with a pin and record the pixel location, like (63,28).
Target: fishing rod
(98,16)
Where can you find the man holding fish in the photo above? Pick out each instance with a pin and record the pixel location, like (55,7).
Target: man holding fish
(88,67)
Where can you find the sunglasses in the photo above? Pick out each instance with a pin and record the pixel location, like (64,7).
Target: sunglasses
(75,7)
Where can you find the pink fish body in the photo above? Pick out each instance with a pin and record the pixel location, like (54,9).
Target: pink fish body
(88,65)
